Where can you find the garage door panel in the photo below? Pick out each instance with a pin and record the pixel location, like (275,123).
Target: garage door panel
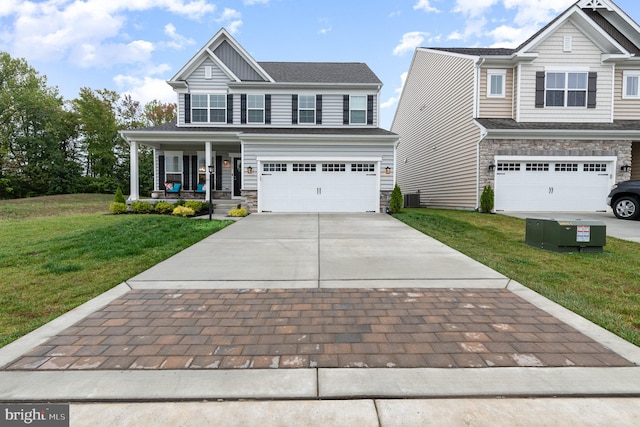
(563,185)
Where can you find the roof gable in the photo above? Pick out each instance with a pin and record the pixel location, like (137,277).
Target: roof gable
(229,56)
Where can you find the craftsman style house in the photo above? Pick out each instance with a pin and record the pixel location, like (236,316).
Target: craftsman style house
(278,136)
(551,125)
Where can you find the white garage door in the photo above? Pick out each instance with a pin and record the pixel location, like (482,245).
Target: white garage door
(318,187)
(559,185)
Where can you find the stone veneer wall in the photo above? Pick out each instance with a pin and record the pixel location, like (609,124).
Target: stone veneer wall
(385,197)
(250,200)
(545,148)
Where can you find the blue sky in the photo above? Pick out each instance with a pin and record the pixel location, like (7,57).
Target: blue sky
(134,46)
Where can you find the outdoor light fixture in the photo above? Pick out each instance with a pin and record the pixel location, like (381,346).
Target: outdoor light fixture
(387,170)
(211,171)
(249,170)
(625,168)
(492,166)
(226,163)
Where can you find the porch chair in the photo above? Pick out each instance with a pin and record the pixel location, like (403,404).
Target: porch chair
(200,190)
(172,188)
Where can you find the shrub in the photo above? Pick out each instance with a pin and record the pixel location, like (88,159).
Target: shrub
(197,206)
(119,197)
(117,208)
(163,207)
(238,212)
(487,199)
(183,211)
(395,204)
(141,207)
(179,202)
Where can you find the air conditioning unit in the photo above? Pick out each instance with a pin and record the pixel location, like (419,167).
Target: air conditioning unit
(412,200)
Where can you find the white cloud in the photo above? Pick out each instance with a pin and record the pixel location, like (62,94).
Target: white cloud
(177,41)
(392,101)
(473,8)
(145,89)
(252,2)
(409,42)
(231,20)
(394,14)
(424,5)
(326,26)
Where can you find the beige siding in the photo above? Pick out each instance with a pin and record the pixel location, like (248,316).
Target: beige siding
(624,109)
(584,56)
(438,138)
(495,108)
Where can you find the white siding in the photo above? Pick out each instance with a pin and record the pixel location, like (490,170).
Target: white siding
(342,149)
(281,110)
(584,56)
(437,153)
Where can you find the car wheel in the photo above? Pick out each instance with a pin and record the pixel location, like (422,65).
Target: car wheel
(627,207)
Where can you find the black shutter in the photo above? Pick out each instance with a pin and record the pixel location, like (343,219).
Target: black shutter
(370,109)
(243,109)
(185,173)
(345,110)
(591,90)
(194,172)
(267,109)
(218,173)
(294,109)
(318,109)
(540,89)
(161,172)
(187,108)
(230,108)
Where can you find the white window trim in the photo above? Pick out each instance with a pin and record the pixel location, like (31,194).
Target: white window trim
(307,109)
(502,73)
(353,109)
(256,109)
(208,107)
(625,75)
(566,89)
(180,170)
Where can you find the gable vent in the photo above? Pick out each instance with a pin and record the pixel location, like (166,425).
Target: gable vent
(208,73)
(567,45)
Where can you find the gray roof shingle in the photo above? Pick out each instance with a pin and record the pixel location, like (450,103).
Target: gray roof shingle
(510,124)
(320,72)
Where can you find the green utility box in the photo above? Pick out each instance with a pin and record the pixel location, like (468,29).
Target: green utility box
(566,235)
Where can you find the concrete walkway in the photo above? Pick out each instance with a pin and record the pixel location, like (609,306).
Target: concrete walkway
(316,308)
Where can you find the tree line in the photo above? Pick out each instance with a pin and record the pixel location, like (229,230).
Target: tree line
(49,145)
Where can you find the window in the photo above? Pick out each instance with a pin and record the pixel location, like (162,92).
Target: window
(566,167)
(503,167)
(595,167)
(303,167)
(566,90)
(333,167)
(202,168)
(630,82)
(274,167)
(255,108)
(208,108)
(537,167)
(358,110)
(307,109)
(173,166)
(363,167)
(496,83)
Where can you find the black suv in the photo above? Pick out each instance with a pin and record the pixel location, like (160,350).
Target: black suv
(624,199)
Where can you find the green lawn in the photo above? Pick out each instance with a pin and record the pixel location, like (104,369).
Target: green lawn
(603,287)
(59,252)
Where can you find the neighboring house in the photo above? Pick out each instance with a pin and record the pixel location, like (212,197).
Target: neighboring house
(281,136)
(551,125)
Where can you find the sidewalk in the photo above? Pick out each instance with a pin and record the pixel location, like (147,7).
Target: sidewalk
(308,307)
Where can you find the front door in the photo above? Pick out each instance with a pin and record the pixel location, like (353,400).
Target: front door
(237,176)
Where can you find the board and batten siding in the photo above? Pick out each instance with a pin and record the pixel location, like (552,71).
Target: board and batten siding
(437,154)
(496,108)
(624,108)
(342,149)
(199,84)
(584,56)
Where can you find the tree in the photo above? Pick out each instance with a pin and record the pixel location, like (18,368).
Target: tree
(158,113)
(38,154)
(396,202)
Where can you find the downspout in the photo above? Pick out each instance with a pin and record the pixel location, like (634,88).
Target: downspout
(483,132)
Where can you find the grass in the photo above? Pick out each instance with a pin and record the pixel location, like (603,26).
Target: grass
(602,287)
(58,252)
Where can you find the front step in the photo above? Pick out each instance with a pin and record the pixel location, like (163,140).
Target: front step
(222,207)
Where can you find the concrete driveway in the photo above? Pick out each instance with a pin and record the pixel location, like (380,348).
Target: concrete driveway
(618,228)
(317,251)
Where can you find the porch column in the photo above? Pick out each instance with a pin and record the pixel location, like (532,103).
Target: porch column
(134,180)
(207,156)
